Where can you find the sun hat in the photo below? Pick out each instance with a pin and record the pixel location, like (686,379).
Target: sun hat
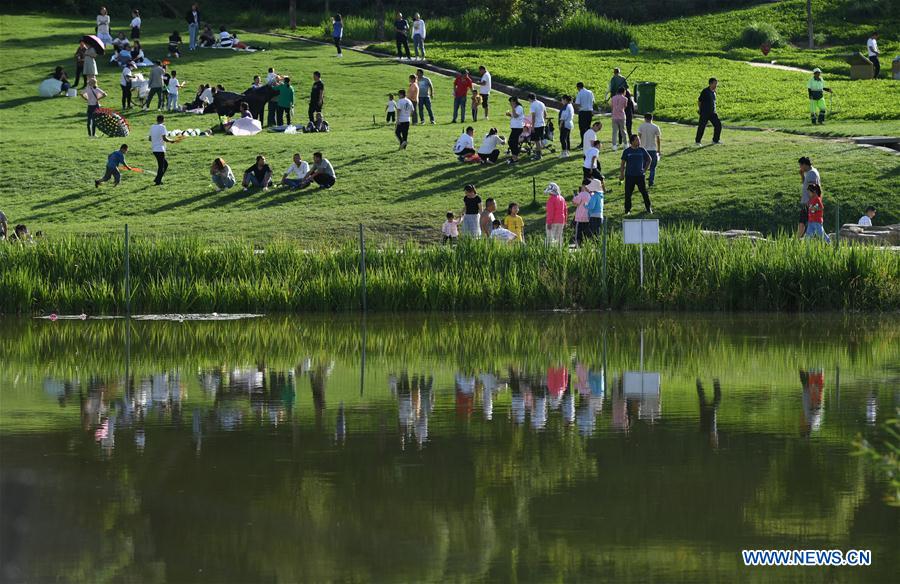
(817,70)
(552,188)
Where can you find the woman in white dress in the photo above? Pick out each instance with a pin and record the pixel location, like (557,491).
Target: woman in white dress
(103,26)
(90,63)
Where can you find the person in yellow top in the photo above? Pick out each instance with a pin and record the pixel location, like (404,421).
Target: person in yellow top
(514,222)
(816,89)
(476,103)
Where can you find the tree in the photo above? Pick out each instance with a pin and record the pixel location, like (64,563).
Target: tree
(544,15)
(809,24)
(379,18)
(292,14)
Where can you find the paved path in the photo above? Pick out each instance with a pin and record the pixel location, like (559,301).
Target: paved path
(776,66)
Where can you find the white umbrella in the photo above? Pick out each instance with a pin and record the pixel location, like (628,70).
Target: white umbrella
(246,127)
(50,87)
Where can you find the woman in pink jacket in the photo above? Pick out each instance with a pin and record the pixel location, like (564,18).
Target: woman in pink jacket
(557,214)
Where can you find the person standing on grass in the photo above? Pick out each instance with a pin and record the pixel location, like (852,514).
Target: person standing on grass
(809,175)
(516,125)
(618,103)
(591,167)
(707,110)
(461,86)
(465,144)
(816,214)
(514,222)
(412,94)
(401,30)
(873,52)
(221,175)
(321,172)
(113,162)
(90,62)
(582,218)
(484,89)
(316,96)
(259,175)
(296,172)
(92,95)
(538,122)
(135,24)
(597,187)
(193,21)
(158,138)
(471,212)
(156,85)
(125,83)
(584,107)
(174,87)
(337,32)
(418,31)
(635,163)
(284,102)
(476,103)
(79,65)
(557,215)
(391,109)
(486,220)
(649,134)
(103,26)
(404,115)
(426,93)
(489,151)
(816,89)
(566,123)
(629,111)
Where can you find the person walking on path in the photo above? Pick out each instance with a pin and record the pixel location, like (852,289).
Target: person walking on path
(635,163)
(316,96)
(92,95)
(584,106)
(337,32)
(484,89)
(471,212)
(418,31)
(650,134)
(486,220)
(566,123)
(158,138)
(808,175)
(616,82)
(618,103)
(401,31)
(412,93)
(816,89)
(113,162)
(538,122)
(516,125)
(873,52)
(426,94)
(707,111)
(404,115)
(816,214)
(156,85)
(461,86)
(193,21)
(557,215)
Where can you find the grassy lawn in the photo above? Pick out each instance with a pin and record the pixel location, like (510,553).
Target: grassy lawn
(48,162)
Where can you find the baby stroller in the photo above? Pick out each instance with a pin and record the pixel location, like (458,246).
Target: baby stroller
(527,140)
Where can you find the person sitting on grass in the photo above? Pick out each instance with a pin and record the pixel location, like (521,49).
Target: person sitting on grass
(221,175)
(258,176)
(321,172)
(21,234)
(4,225)
(207,37)
(296,172)
(113,162)
(866,219)
(489,150)
(501,233)
(60,75)
(174,44)
(465,144)
(226,40)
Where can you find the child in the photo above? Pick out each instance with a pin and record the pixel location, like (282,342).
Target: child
(272,77)
(174,44)
(135,24)
(501,233)
(174,86)
(581,200)
(391,109)
(866,220)
(816,214)
(113,161)
(514,222)
(450,229)
(476,103)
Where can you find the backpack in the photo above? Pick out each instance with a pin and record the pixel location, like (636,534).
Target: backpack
(595,205)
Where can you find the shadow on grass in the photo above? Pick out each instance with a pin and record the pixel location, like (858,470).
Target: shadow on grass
(183,202)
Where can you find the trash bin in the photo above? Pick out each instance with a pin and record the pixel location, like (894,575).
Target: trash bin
(645,95)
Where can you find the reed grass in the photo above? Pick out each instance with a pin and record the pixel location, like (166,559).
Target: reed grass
(686,271)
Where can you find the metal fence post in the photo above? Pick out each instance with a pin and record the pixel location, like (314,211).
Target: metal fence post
(362,264)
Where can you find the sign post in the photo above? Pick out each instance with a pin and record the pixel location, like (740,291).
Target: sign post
(638,232)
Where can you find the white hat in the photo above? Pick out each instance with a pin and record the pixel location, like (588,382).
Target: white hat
(817,70)
(552,188)
(594,186)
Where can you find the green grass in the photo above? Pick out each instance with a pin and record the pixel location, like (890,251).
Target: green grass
(685,271)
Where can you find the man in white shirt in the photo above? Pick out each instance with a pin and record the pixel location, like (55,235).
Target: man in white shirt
(158,139)
(404,115)
(866,220)
(538,121)
(872,47)
(591,134)
(418,31)
(465,144)
(296,172)
(484,89)
(125,82)
(584,105)
(650,140)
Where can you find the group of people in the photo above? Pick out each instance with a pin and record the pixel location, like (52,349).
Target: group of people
(812,208)
(299,174)
(19,233)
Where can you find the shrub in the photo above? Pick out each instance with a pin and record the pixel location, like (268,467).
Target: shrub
(758,33)
(586,30)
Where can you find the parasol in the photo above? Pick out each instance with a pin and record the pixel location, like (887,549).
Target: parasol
(92,40)
(246,127)
(111,122)
(50,87)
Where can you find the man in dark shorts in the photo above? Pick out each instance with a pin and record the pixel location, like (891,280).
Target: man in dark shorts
(316,96)
(538,123)
(809,175)
(635,163)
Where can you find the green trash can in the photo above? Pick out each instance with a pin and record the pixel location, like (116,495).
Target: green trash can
(645,95)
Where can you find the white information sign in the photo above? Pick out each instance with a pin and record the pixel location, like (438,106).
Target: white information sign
(639,232)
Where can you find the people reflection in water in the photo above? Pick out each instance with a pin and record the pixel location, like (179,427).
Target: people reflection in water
(415,402)
(591,388)
(813,382)
(318,374)
(465,394)
(520,395)
(709,411)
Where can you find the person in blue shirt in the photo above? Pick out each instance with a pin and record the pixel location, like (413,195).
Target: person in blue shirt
(113,162)
(635,163)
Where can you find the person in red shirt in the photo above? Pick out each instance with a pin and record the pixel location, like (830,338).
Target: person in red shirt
(815,214)
(461,86)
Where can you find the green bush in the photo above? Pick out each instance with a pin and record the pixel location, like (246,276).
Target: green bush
(586,30)
(759,33)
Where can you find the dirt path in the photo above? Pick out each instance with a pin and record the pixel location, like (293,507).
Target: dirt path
(776,66)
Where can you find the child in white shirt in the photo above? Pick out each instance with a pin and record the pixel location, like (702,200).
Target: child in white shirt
(866,219)
(450,229)
(391,109)
(174,86)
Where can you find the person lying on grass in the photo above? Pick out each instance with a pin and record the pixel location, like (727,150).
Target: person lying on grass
(113,162)
(258,176)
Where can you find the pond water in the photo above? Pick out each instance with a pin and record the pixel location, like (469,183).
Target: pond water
(512,447)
